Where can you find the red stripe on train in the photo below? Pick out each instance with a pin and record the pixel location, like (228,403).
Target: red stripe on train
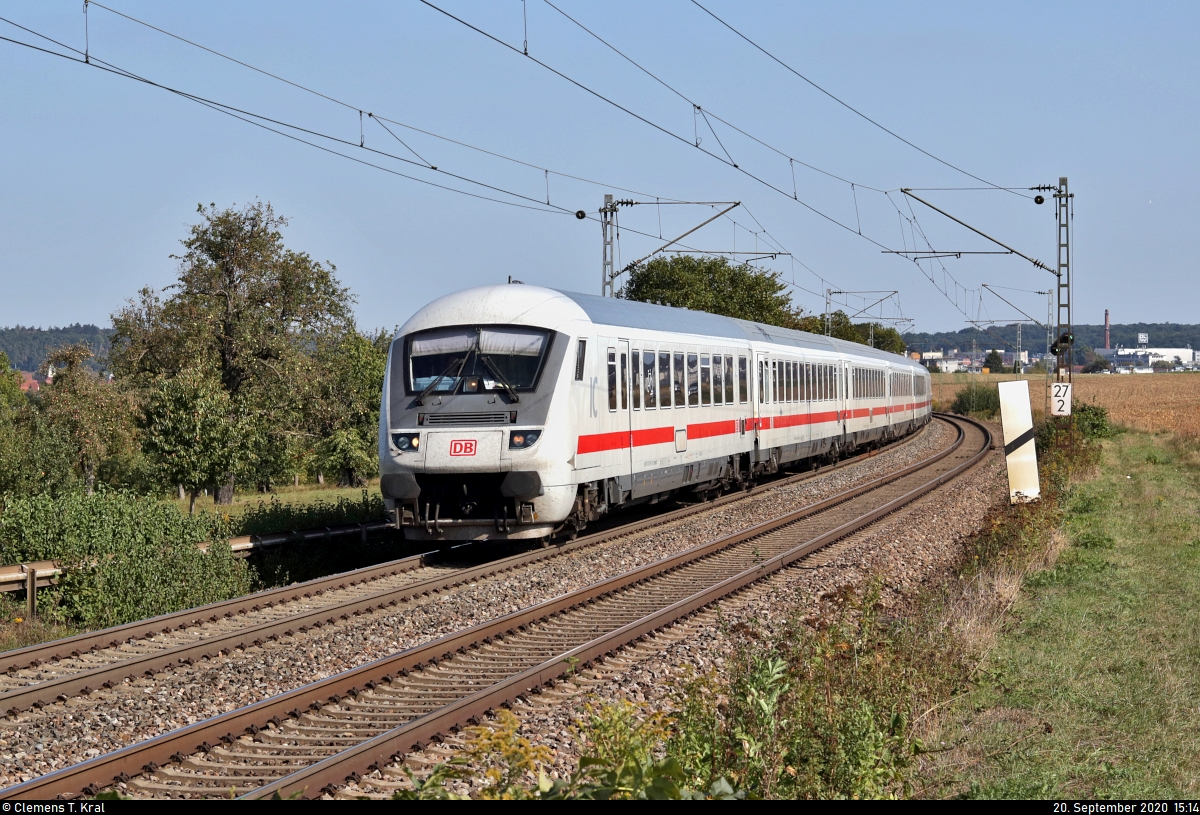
(599,442)
(706,430)
(654,435)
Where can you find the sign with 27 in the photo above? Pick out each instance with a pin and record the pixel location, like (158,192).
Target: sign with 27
(1060,398)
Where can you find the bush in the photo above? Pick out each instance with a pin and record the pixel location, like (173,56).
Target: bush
(977,399)
(276,516)
(124,557)
(1092,420)
(822,710)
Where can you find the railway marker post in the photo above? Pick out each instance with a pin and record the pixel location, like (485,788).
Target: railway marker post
(1020,454)
(30,593)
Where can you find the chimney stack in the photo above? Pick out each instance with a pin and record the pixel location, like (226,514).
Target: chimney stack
(1106,346)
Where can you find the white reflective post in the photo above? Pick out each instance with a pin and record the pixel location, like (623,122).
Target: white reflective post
(1019,452)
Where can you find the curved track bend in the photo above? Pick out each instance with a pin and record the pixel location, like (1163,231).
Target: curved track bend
(57,670)
(315,738)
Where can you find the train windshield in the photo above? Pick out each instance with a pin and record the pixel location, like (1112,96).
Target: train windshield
(474,359)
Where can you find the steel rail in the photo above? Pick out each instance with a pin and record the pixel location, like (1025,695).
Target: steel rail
(51,690)
(146,756)
(346,766)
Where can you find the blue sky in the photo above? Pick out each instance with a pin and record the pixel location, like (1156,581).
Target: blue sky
(102,175)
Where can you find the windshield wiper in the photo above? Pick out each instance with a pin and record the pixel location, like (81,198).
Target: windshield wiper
(461,363)
(512,393)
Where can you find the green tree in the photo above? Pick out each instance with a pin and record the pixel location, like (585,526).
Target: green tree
(342,405)
(840,326)
(883,337)
(714,285)
(248,311)
(93,415)
(11,396)
(188,434)
(994,361)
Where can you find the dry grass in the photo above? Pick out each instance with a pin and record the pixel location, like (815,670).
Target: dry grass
(1150,402)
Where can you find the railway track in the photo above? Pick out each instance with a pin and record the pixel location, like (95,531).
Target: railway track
(333,731)
(55,671)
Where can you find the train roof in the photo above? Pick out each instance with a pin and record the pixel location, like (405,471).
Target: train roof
(635,314)
(556,309)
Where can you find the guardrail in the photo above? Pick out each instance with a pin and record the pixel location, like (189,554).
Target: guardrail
(29,577)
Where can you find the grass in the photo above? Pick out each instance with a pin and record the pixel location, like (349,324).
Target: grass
(1093,691)
(16,631)
(288,494)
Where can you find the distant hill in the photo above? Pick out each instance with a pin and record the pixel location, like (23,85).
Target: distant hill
(1033,338)
(28,347)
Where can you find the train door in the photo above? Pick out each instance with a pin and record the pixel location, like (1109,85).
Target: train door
(614,443)
(887,383)
(843,396)
(761,397)
(625,411)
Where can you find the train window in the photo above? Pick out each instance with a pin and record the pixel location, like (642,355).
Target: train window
(718,381)
(693,381)
(798,373)
(636,386)
(743,387)
(624,382)
(664,378)
(648,378)
(762,381)
(728,379)
(705,380)
(612,379)
(677,377)
(795,381)
(580,356)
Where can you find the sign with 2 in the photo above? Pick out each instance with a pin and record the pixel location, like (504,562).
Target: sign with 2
(1060,398)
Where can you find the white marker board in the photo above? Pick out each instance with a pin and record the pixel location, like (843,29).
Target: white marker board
(1019,452)
(1060,398)
(1143,339)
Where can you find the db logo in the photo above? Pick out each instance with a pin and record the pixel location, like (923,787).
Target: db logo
(462,447)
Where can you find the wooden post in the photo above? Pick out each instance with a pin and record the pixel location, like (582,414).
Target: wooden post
(30,593)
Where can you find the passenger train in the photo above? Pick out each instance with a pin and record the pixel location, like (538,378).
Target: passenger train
(516,411)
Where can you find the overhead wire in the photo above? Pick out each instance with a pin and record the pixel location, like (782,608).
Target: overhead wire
(233,111)
(359,109)
(250,118)
(705,112)
(428,165)
(664,130)
(846,104)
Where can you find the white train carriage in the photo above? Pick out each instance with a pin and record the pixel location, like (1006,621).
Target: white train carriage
(518,411)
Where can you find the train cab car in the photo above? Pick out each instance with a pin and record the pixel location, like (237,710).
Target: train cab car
(517,411)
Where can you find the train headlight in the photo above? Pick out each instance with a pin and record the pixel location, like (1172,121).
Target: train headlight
(406,442)
(520,439)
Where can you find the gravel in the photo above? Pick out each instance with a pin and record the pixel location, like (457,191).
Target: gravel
(913,549)
(40,741)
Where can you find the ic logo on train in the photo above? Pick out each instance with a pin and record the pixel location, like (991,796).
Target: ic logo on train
(462,447)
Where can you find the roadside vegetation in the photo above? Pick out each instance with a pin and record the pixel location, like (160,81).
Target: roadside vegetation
(1092,691)
(844,703)
(246,374)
